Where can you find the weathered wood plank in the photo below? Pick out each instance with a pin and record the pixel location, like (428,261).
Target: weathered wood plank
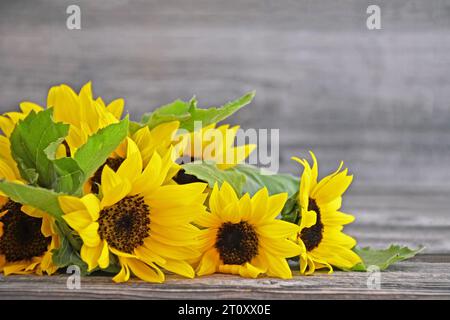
(407,280)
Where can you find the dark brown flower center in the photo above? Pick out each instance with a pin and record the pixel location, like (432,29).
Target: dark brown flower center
(184,178)
(125,224)
(312,236)
(237,243)
(22,237)
(113,163)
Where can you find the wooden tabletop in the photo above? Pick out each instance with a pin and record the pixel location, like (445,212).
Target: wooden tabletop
(426,277)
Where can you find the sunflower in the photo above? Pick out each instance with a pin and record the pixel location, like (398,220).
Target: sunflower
(84,115)
(139,218)
(216,144)
(27,235)
(160,139)
(242,236)
(321,221)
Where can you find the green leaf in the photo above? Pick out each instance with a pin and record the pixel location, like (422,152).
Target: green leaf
(175,111)
(214,114)
(257,178)
(383,258)
(67,253)
(34,142)
(40,198)
(207,171)
(99,147)
(134,126)
(69,176)
(188,112)
(291,212)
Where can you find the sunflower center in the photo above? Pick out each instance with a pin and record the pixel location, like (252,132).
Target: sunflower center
(237,243)
(125,224)
(113,163)
(312,236)
(22,237)
(184,178)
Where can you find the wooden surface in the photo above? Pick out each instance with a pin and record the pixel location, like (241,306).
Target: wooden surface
(423,278)
(379,100)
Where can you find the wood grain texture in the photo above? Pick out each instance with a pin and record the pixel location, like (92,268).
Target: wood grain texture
(407,280)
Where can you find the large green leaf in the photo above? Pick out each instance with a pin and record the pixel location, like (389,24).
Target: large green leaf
(40,198)
(214,114)
(34,142)
(383,258)
(99,147)
(257,178)
(207,171)
(188,112)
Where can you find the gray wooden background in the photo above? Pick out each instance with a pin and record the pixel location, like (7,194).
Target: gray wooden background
(379,100)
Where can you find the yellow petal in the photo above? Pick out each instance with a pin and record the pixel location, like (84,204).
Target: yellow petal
(181,215)
(275,205)
(150,179)
(131,167)
(69,204)
(281,247)
(171,252)
(114,188)
(227,194)
(168,196)
(124,273)
(145,272)
(149,255)
(259,205)
(179,267)
(278,267)
(214,202)
(308,219)
(91,255)
(116,108)
(89,235)
(92,205)
(208,220)
(337,218)
(27,107)
(335,187)
(208,263)
(78,220)
(103,259)
(278,229)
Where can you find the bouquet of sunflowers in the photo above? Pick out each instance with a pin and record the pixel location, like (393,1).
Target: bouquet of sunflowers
(81,184)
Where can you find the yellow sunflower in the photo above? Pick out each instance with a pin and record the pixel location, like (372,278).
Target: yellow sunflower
(27,235)
(143,221)
(160,139)
(215,144)
(242,236)
(321,221)
(84,115)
